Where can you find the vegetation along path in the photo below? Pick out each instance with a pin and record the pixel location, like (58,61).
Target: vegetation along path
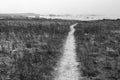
(67,68)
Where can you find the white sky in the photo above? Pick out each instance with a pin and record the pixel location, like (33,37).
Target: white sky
(102,7)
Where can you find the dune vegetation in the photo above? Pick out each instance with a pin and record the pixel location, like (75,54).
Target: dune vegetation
(98,49)
(30,49)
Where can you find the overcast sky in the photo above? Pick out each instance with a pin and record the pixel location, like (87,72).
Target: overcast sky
(100,7)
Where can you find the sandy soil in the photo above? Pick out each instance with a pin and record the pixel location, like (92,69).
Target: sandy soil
(67,68)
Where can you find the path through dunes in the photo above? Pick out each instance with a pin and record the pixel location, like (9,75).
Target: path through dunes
(67,68)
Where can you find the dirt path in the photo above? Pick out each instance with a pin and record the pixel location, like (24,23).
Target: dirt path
(67,69)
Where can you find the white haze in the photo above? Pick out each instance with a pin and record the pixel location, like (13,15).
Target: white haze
(96,7)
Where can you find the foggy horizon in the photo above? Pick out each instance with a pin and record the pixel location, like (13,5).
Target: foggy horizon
(60,7)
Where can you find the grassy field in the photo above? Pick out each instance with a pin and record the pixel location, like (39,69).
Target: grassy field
(98,49)
(30,49)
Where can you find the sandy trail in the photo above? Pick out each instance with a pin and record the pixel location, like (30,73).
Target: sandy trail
(67,69)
